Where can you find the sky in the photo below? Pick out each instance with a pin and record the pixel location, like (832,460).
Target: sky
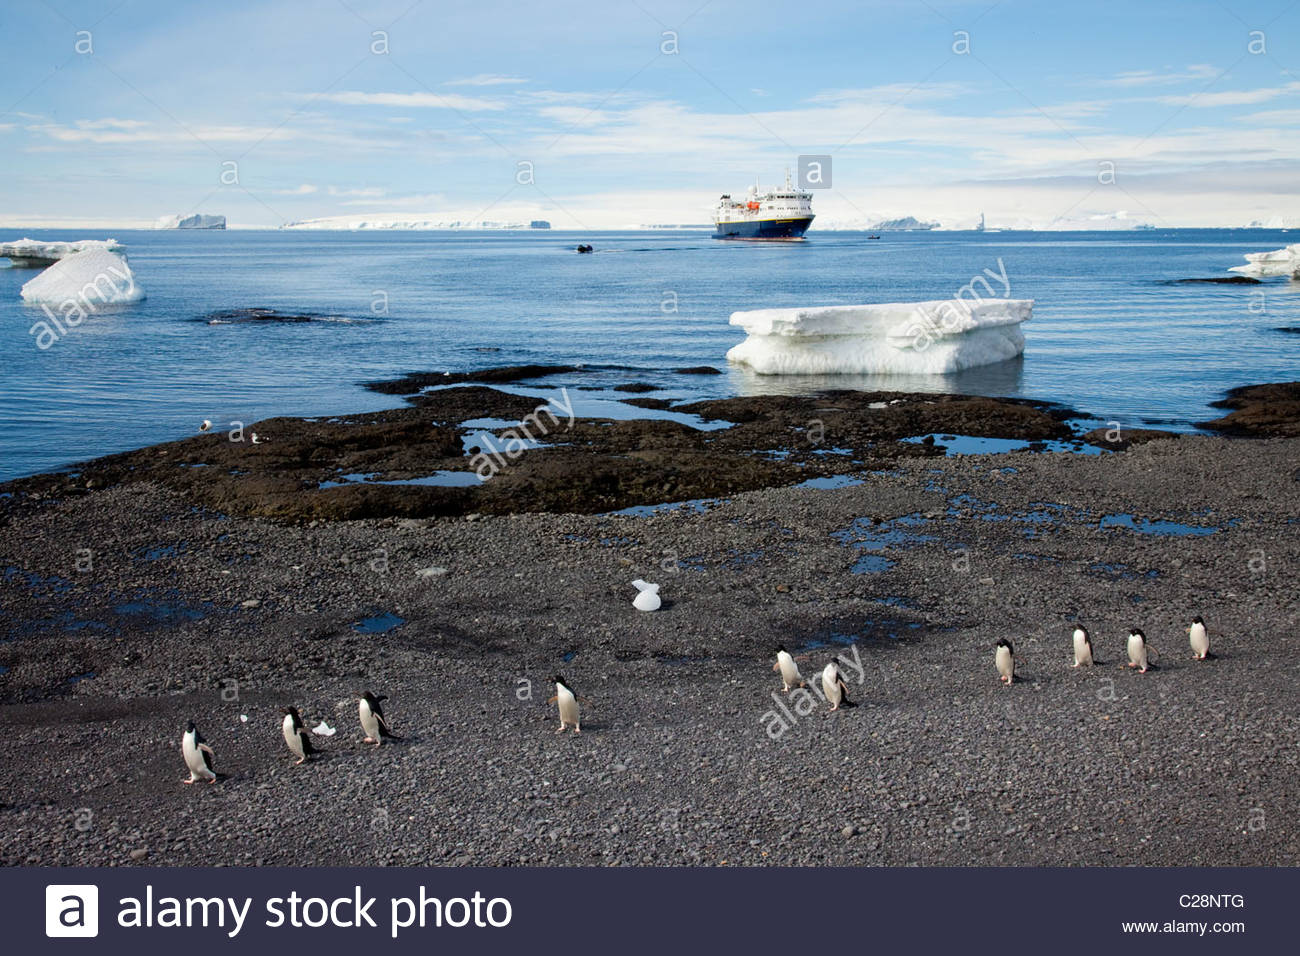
(614,113)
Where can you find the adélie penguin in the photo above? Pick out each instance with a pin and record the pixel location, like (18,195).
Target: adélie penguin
(198,755)
(790,676)
(372,718)
(1004,656)
(833,686)
(1199,638)
(1137,650)
(296,735)
(1082,648)
(568,703)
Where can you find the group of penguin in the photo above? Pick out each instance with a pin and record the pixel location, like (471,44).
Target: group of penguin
(1004,655)
(297,736)
(199,757)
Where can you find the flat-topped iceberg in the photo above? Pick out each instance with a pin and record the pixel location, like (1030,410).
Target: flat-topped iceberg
(193,221)
(84,281)
(28,253)
(936,337)
(1279,262)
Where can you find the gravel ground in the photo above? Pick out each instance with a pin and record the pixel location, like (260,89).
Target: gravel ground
(179,614)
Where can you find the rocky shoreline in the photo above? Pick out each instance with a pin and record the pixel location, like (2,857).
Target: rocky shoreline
(141,591)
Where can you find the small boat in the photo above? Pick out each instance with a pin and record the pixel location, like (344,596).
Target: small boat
(873,237)
(583,247)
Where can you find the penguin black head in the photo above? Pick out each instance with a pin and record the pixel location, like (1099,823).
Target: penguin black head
(780,649)
(1137,632)
(190,728)
(1197,620)
(561,681)
(290,712)
(1003,642)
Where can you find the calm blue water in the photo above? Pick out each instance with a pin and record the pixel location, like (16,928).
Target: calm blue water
(1108,337)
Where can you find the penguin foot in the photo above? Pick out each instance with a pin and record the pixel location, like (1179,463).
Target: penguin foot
(189,781)
(577,730)
(368,740)
(212,779)
(561,730)
(1142,670)
(300,762)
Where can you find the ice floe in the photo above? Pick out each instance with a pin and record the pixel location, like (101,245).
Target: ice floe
(935,337)
(85,281)
(26,253)
(1279,262)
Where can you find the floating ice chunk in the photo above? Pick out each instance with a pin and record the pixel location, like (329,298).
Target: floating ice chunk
(897,338)
(87,280)
(28,253)
(194,221)
(1279,262)
(648,599)
(324,730)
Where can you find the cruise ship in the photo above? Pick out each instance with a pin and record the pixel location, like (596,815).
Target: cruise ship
(779,214)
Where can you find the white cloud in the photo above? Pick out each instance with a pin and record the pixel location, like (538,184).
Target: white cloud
(1230,97)
(365,191)
(1193,73)
(487,79)
(446,101)
(306,189)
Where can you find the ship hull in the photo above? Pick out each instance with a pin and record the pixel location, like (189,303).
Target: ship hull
(769,229)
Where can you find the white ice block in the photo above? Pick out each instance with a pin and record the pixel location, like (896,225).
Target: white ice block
(936,337)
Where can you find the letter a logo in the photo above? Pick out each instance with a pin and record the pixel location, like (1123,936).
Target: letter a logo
(71,910)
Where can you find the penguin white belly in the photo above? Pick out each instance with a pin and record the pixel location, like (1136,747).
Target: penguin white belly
(789,670)
(831,687)
(1200,640)
(194,760)
(1082,650)
(369,722)
(1005,662)
(1137,652)
(291,736)
(568,706)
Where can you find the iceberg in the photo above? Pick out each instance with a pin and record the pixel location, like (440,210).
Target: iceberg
(33,253)
(929,338)
(85,281)
(194,221)
(1279,262)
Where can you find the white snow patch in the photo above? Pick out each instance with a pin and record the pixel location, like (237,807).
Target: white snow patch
(1279,262)
(935,337)
(89,279)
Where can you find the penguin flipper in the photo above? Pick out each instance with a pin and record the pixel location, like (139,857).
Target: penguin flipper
(208,755)
(307,746)
(384,731)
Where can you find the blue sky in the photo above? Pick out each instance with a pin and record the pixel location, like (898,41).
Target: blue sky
(623,125)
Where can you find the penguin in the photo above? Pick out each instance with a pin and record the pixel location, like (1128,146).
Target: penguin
(1082,648)
(205,426)
(297,736)
(198,755)
(790,676)
(372,719)
(568,702)
(256,440)
(833,686)
(1005,658)
(1199,638)
(1137,650)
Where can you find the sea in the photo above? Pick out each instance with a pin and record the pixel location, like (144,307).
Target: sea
(243,325)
